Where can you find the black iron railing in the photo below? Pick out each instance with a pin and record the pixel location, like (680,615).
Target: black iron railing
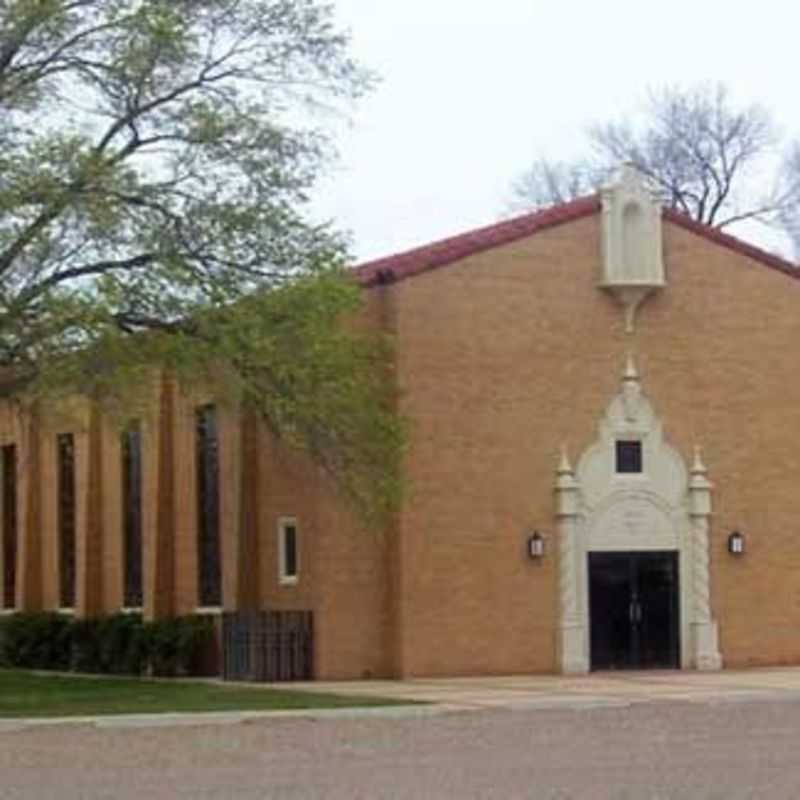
(268,646)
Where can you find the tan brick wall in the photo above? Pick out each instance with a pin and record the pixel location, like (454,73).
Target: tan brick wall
(729,380)
(512,352)
(341,567)
(501,359)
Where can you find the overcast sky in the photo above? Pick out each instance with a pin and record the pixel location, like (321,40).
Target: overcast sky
(473,91)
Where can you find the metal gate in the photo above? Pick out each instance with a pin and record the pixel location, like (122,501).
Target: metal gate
(268,646)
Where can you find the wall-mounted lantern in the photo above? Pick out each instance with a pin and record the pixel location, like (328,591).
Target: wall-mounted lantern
(536,546)
(736,543)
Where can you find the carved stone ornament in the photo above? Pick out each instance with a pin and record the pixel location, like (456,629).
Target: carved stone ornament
(633,264)
(662,507)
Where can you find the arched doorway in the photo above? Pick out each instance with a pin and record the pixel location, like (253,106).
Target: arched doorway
(633,526)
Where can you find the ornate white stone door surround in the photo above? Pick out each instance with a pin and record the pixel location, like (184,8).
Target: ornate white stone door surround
(663,507)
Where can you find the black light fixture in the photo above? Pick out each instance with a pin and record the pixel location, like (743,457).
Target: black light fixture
(536,545)
(736,543)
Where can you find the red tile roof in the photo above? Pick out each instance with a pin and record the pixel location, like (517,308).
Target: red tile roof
(446,251)
(726,240)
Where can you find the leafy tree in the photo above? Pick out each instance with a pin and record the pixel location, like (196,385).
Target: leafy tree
(155,158)
(703,155)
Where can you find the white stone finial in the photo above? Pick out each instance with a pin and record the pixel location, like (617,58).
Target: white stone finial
(567,488)
(631,373)
(631,176)
(699,485)
(631,390)
(628,177)
(564,467)
(698,467)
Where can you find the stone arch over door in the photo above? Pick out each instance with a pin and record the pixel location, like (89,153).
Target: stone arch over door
(664,506)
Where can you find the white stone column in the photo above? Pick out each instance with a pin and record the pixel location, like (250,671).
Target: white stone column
(705,639)
(573,655)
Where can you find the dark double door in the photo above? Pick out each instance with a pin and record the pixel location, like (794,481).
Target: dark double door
(634,613)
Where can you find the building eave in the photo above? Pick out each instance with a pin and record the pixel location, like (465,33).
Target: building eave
(406,264)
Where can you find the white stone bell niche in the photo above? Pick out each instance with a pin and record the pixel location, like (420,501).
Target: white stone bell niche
(633,264)
(665,506)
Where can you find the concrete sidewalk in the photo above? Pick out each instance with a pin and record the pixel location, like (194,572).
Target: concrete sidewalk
(460,695)
(594,690)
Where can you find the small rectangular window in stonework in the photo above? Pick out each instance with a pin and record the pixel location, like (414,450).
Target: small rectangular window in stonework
(629,457)
(9,489)
(65,446)
(207,485)
(132,515)
(287,555)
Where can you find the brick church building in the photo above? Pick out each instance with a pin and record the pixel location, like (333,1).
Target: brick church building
(603,472)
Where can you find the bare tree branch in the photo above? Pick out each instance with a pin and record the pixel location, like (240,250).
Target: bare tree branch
(702,154)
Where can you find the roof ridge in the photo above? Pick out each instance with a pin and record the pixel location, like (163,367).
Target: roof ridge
(407,263)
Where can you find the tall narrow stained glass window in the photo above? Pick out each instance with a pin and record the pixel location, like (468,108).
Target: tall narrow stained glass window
(131,447)
(65,451)
(8,465)
(208,533)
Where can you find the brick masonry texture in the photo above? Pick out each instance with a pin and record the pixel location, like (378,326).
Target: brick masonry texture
(502,356)
(511,352)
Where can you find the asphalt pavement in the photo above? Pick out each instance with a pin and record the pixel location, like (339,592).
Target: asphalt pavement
(680,735)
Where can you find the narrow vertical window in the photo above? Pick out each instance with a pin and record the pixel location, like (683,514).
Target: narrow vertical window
(132,515)
(287,551)
(9,489)
(65,443)
(208,543)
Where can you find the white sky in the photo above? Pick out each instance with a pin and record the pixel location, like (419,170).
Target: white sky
(472,92)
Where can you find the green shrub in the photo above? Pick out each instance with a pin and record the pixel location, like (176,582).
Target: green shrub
(161,637)
(194,635)
(36,641)
(175,645)
(121,644)
(84,646)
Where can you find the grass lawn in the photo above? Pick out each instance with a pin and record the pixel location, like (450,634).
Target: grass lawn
(25,694)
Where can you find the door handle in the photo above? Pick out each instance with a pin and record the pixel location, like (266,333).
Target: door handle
(635,611)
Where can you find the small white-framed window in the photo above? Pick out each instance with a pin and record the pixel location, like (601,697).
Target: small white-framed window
(288,561)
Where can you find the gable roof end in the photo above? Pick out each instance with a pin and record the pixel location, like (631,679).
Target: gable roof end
(446,251)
